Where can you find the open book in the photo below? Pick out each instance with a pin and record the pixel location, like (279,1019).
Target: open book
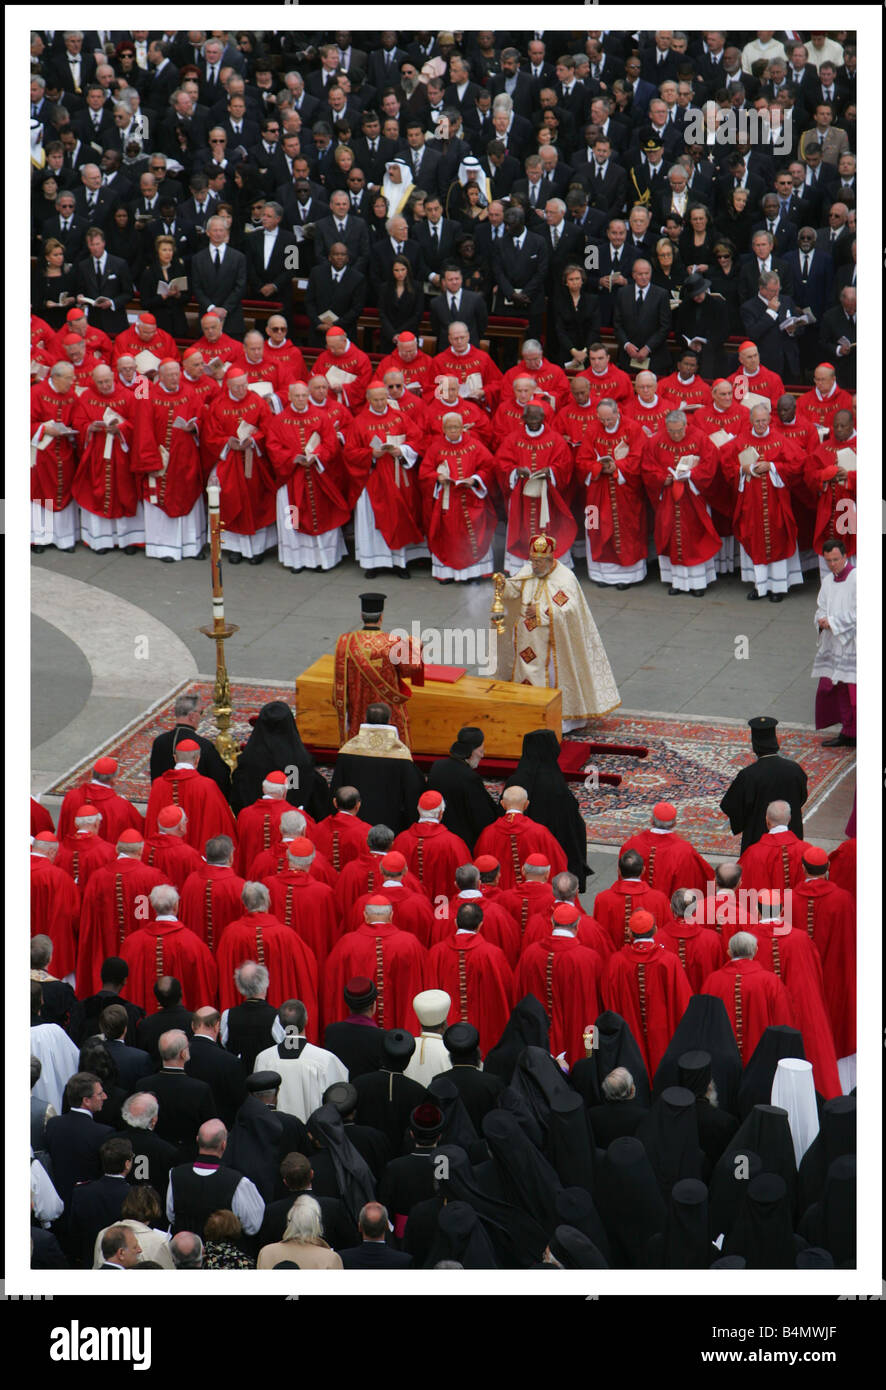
(180,283)
(261,388)
(147,361)
(338,378)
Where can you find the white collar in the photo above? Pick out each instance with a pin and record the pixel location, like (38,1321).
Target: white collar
(470,893)
(166,917)
(533,434)
(391,727)
(778,829)
(649,405)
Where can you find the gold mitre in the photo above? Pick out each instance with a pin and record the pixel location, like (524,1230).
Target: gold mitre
(541,545)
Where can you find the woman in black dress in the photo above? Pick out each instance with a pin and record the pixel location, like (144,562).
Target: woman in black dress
(50,280)
(378,216)
(575,318)
(668,271)
(736,220)
(43,195)
(697,242)
(724,281)
(168,309)
(550,800)
(401,304)
(124,239)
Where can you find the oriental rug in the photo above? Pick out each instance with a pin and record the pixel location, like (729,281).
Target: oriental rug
(689,762)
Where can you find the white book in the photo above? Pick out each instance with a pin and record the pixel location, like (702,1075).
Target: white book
(261,388)
(147,361)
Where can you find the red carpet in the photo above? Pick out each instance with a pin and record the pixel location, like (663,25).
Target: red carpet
(689,762)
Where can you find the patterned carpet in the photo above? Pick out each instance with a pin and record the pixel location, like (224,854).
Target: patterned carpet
(690,762)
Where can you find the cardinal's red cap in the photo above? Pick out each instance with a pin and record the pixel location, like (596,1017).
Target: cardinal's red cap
(486,863)
(815,855)
(170,816)
(277,778)
(86,811)
(336,333)
(394,863)
(48,837)
(406,337)
(130,837)
(641,922)
(429,801)
(564,914)
(106,767)
(537,861)
(301,847)
(664,810)
(378,900)
(147,318)
(187,745)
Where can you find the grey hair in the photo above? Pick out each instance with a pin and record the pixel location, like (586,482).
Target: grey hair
(40,82)
(532,344)
(467,876)
(292,824)
(675,416)
(276,208)
(140,1109)
(618,1085)
(503,103)
(452,415)
(164,898)
(61,368)
(778,812)
(742,946)
(565,886)
(380,837)
(767,278)
(255,897)
(304,1222)
(457,323)
(682,900)
(171,1044)
(186,1250)
(185,704)
(41,951)
(252,979)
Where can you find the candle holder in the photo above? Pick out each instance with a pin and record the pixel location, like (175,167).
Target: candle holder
(497,612)
(220,630)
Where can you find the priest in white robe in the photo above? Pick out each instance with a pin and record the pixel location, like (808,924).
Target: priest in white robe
(834,665)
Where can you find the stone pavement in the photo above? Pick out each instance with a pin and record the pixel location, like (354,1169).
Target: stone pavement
(112,633)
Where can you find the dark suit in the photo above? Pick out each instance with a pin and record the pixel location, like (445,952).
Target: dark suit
(61,70)
(185,1103)
(779,352)
(381,74)
(152,1157)
(643,325)
(615,1120)
(101,213)
(115,283)
(502,177)
(837,324)
(72,1142)
(816,291)
(355,237)
(655,71)
(152,1027)
(373,164)
(93,1006)
(211,762)
(275,272)
(522,94)
(346,298)
(131,1063)
(785,234)
(194,128)
(755,187)
(841,249)
(609,192)
(224,1074)
(606,267)
(160,86)
(339,1230)
(93,1206)
(381,261)
(89,133)
(248,135)
(749,275)
(642,93)
(375,1255)
(471,311)
(73,240)
(526,268)
(569,250)
(428,175)
(223,286)
(436,250)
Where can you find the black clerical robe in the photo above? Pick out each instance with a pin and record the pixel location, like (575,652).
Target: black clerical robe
(770,778)
(469,807)
(389,788)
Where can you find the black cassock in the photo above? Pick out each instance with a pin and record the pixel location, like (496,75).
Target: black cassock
(469,807)
(389,788)
(551,803)
(770,778)
(386,1100)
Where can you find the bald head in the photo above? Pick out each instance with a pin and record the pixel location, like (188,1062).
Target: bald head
(514,799)
(212,1137)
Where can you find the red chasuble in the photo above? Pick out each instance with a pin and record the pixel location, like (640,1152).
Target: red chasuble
(826,913)
(841,863)
(460,524)
(258,828)
(433,854)
(318,494)
(130,344)
(573,421)
(650,418)
(684,530)
(509,417)
(613,383)
(204,387)
(80,854)
(290,962)
(474,362)
(775,861)
(173,856)
(511,839)
(248,489)
(615,511)
(499,927)
(53,472)
(55,912)
(764,520)
(474,419)
(762,383)
(40,818)
(690,393)
(721,494)
(115,904)
(563,975)
(118,814)
(700,949)
(590,933)
(340,837)
(175,488)
(225,349)
(550,380)
(613,907)
(204,805)
(420,371)
(392,487)
(210,900)
(755,1000)
(394,960)
(364,874)
(804,436)
(476,976)
(820,410)
(353,361)
(412,911)
(546,450)
(669,861)
(103,485)
(365,674)
(289,361)
(307,906)
(791,956)
(835,506)
(647,985)
(525,901)
(168,948)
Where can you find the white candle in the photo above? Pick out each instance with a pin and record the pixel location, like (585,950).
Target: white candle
(213,492)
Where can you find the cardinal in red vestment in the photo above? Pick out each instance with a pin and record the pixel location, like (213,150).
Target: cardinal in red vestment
(832,482)
(752,379)
(302,902)
(258,825)
(312,486)
(115,903)
(474,368)
(700,949)
(608,467)
(563,975)
(394,960)
(341,837)
(144,335)
(339,360)
(499,927)
(514,836)
(417,367)
(382,447)
(534,469)
(776,860)
(167,457)
(755,998)
(104,485)
(82,850)
(533,896)
(821,402)
(166,946)
(456,479)
(669,861)
(412,910)
(431,851)
(588,933)
(647,985)
(54,518)
(826,912)
(680,467)
(364,874)
(614,907)
(55,903)
(514,399)
(476,976)
(168,850)
(215,345)
(547,378)
(197,378)
(117,813)
(211,898)
(40,818)
(764,523)
(199,797)
(604,378)
(291,964)
(445,399)
(232,442)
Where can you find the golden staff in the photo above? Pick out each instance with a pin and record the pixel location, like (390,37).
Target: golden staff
(221,707)
(497,612)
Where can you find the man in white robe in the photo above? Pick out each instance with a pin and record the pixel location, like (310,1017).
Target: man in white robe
(834,665)
(305,1070)
(430,1056)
